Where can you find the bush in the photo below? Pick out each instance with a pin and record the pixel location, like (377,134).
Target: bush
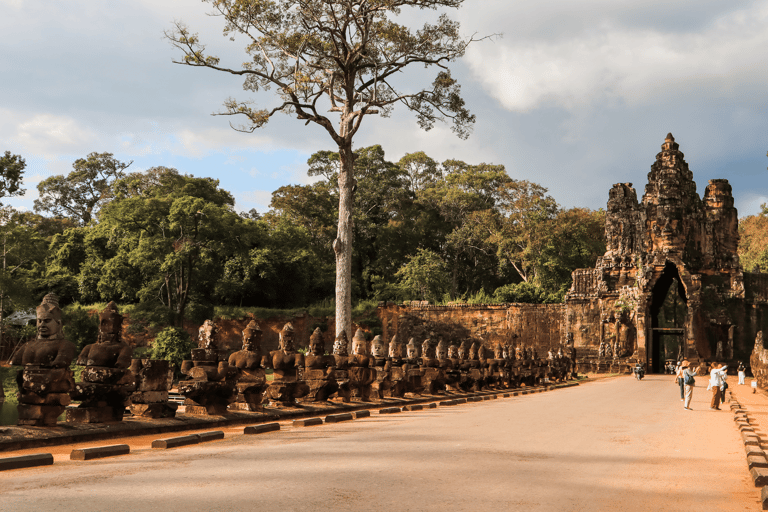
(81,325)
(525,293)
(172,344)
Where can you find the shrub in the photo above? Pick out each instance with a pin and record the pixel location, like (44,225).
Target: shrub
(172,344)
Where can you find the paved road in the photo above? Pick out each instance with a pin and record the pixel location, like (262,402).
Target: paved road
(615,444)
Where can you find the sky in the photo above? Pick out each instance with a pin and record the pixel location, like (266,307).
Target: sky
(574,95)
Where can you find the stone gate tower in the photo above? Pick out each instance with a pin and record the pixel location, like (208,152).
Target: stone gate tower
(672,235)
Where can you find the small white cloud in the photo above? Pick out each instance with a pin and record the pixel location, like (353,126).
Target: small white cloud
(258,199)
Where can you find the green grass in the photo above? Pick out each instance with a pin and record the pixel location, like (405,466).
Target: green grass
(8,380)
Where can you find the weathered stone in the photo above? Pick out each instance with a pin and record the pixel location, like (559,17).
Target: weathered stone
(213,435)
(175,442)
(307,422)
(390,410)
(337,418)
(757,461)
(99,452)
(362,414)
(261,429)
(155,410)
(26,461)
(759,476)
(414,407)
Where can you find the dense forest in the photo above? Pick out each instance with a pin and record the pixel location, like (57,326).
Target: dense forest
(175,244)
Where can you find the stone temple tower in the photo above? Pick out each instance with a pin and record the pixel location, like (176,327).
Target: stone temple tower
(671,236)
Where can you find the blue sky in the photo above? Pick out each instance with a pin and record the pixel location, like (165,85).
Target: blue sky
(575,96)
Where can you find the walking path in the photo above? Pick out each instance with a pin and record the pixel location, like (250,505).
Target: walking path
(615,444)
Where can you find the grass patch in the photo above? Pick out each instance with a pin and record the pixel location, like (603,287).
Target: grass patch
(8,381)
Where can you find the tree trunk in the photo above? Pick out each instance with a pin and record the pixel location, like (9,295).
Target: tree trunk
(342,246)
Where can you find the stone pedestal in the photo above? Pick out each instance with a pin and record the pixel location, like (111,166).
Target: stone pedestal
(433,380)
(360,380)
(44,394)
(383,382)
(103,393)
(321,383)
(399,383)
(150,400)
(211,386)
(285,393)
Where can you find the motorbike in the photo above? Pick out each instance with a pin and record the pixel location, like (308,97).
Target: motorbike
(639,372)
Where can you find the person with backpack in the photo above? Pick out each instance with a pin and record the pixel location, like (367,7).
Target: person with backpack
(689,382)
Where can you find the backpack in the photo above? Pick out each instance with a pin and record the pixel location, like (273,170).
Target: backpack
(689,380)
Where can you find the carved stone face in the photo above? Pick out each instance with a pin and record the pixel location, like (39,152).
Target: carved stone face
(412,351)
(442,351)
(377,347)
(453,352)
(48,326)
(462,350)
(473,351)
(286,341)
(316,347)
(208,334)
(110,325)
(505,353)
(395,350)
(358,348)
(340,344)
(497,352)
(252,340)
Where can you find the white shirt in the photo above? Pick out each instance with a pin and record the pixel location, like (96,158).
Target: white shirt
(716,377)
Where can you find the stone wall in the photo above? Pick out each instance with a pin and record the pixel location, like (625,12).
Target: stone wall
(537,325)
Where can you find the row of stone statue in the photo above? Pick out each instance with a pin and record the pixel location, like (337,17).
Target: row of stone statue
(216,381)
(110,381)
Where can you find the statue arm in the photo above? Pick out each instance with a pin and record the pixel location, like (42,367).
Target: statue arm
(65,356)
(18,357)
(124,358)
(83,357)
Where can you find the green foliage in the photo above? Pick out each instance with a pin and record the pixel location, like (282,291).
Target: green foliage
(81,193)
(11,174)
(525,293)
(424,276)
(8,381)
(81,325)
(172,344)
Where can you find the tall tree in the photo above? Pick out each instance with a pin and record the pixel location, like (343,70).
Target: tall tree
(83,191)
(342,56)
(11,174)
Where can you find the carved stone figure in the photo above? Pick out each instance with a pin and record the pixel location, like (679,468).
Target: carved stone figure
(210,384)
(106,382)
(412,367)
(286,386)
(361,368)
(251,377)
(383,381)
(396,370)
(341,369)
(45,380)
(150,399)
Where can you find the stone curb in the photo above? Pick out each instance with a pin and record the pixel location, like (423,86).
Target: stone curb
(445,403)
(214,435)
(365,413)
(431,405)
(308,422)
(175,442)
(26,461)
(390,410)
(338,418)
(261,429)
(99,452)
(416,407)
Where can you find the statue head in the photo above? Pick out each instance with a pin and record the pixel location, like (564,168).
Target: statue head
(473,351)
(428,349)
(286,338)
(377,347)
(252,337)
(505,352)
(359,345)
(498,351)
(463,350)
(110,324)
(49,318)
(208,335)
(453,352)
(395,348)
(340,344)
(412,350)
(317,343)
(442,349)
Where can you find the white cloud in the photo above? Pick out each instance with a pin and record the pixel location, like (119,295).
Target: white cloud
(610,61)
(258,199)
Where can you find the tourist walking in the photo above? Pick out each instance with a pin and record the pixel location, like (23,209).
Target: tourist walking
(689,382)
(716,383)
(742,373)
(679,380)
